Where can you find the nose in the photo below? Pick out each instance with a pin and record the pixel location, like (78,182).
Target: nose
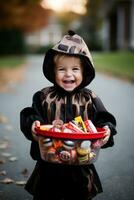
(68,73)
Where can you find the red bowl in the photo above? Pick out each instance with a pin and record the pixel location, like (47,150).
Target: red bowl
(73,136)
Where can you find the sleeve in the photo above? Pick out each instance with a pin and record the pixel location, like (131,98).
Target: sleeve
(30,114)
(103,118)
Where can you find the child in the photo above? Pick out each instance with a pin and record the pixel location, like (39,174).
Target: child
(68,65)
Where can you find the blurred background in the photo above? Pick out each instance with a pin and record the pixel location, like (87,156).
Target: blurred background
(32,26)
(27,29)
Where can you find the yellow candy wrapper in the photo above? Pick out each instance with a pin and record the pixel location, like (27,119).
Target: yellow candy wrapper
(79,121)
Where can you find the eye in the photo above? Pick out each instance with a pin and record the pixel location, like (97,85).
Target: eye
(60,68)
(76,68)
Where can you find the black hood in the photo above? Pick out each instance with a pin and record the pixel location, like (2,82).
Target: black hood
(73,45)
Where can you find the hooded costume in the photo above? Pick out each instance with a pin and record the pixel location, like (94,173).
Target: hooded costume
(55,103)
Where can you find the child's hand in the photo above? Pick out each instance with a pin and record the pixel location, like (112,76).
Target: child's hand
(35,124)
(100,142)
(107,135)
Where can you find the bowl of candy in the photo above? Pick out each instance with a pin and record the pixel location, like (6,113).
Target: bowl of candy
(75,143)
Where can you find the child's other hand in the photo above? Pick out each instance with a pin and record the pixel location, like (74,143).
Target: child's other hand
(101,142)
(107,135)
(35,124)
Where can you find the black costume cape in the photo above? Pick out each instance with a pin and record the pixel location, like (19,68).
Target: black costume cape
(52,103)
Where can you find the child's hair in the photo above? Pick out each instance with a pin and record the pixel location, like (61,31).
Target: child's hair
(59,56)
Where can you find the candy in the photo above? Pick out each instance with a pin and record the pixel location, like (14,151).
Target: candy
(80,123)
(55,129)
(47,142)
(83,151)
(85,144)
(83,159)
(97,144)
(83,155)
(51,155)
(73,127)
(46,127)
(65,156)
(73,156)
(66,130)
(92,155)
(90,126)
(44,144)
(57,125)
(68,144)
(69,151)
(57,143)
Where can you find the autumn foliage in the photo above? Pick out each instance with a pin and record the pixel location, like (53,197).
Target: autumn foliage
(18,17)
(25,15)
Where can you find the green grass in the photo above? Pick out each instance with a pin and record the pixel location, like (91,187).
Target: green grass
(11,61)
(120,64)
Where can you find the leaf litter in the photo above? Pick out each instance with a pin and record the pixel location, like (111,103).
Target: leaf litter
(3,173)
(4,145)
(7,181)
(3,119)
(6,154)
(13,158)
(25,172)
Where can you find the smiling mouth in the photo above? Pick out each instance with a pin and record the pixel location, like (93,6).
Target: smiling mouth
(69,81)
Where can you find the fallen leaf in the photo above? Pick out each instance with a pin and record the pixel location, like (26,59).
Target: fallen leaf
(4,145)
(2,161)
(6,154)
(13,158)
(25,172)
(3,173)
(21,183)
(3,119)
(7,181)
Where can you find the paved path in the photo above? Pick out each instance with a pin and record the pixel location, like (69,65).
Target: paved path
(115,165)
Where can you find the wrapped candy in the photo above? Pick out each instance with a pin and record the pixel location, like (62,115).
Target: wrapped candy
(59,142)
(90,126)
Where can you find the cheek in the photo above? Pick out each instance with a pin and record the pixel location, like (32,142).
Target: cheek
(57,77)
(80,77)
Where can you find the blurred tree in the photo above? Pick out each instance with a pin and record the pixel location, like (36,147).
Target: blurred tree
(66,19)
(18,17)
(91,23)
(11,42)
(25,15)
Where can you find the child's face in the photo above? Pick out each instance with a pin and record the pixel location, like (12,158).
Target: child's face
(68,72)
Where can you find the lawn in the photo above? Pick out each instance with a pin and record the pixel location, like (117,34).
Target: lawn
(120,64)
(11,61)
(11,71)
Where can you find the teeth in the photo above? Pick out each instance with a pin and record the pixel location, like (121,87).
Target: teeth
(69,81)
